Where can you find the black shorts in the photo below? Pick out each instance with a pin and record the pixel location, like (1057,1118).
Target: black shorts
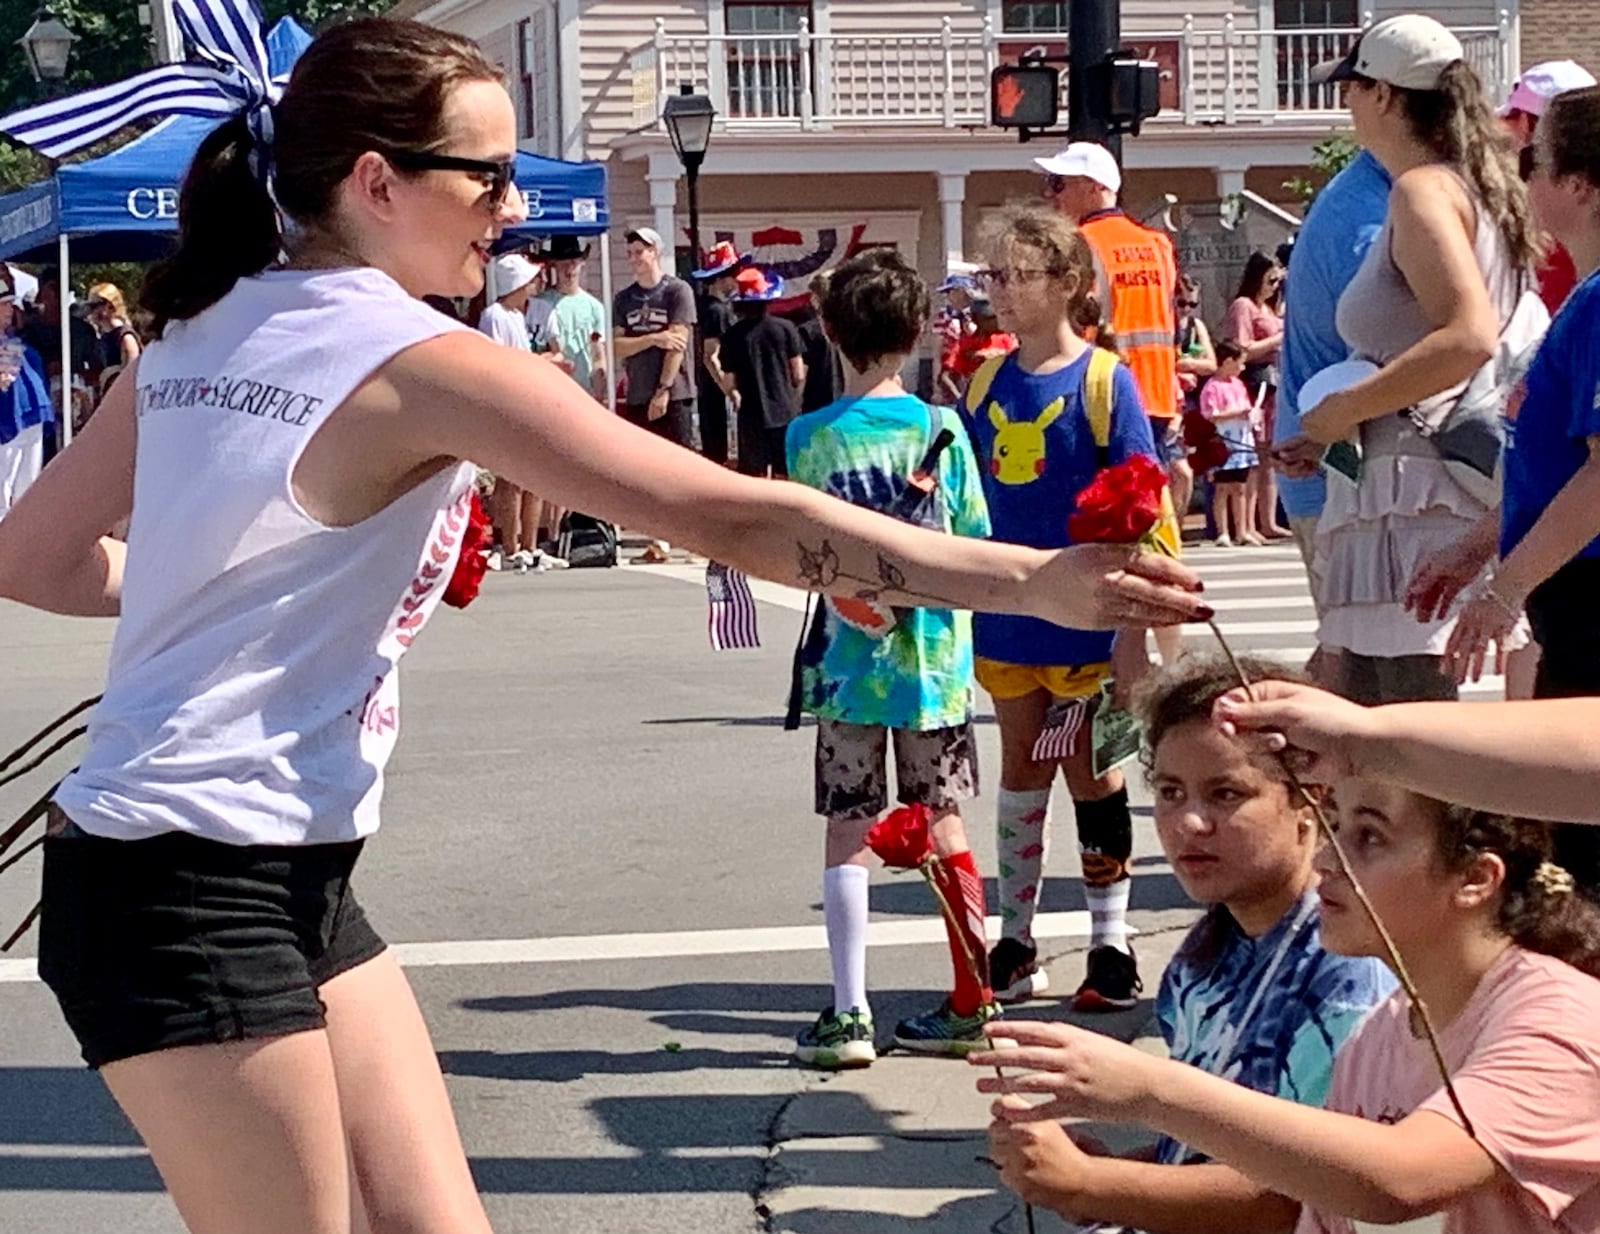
(762,447)
(676,424)
(177,940)
(1231,475)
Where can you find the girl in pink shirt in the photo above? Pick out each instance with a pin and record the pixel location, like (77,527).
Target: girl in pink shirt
(1505,955)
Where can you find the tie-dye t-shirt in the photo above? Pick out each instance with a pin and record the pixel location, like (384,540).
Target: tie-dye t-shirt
(1310,1002)
(918,674)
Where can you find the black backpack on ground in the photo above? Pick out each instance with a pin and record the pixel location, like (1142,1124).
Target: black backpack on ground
(586,541)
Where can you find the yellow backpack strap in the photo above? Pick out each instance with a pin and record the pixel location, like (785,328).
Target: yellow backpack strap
(978,387)
(1097,396)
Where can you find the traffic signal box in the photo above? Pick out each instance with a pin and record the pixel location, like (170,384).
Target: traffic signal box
(1123,92)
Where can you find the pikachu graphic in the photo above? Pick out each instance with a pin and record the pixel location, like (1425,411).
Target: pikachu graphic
(1017,456)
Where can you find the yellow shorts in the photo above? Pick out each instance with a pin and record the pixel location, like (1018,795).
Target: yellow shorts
(1007,681)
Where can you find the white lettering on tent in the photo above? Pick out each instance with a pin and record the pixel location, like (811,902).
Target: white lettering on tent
(153,203)
(531,196)
(21,221)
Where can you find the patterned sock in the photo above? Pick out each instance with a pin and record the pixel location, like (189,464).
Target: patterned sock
(962,887)
(844,909)
(1022,829)
(1105,844)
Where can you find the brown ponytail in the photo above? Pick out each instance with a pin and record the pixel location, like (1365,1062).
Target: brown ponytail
(227,228)
(1454,121)
(1540,909)
(371,84)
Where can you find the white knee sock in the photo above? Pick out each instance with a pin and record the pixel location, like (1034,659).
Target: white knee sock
(1108,914)
(1022,831)
(844,909)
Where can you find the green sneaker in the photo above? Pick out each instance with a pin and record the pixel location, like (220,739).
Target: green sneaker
(944,1032)
(837,1041)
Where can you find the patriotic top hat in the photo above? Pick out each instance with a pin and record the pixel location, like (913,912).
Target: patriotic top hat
(722,259)
(756,285)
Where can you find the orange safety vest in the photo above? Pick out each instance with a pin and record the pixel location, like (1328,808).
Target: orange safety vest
(1138,277)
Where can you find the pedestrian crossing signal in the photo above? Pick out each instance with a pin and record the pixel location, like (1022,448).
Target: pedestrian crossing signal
(1024,96)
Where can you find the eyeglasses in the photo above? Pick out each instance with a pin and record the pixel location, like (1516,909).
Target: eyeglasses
(1054,184)
(1008,278)
(499,174)
(1188,304)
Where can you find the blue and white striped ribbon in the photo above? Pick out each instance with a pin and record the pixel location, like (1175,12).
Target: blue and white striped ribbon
(231,77)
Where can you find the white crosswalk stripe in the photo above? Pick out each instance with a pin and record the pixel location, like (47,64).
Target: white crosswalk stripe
(1276,582)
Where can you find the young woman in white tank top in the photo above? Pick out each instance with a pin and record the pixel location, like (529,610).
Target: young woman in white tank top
(292,454)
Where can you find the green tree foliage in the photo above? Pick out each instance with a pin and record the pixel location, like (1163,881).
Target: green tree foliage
(1329,157)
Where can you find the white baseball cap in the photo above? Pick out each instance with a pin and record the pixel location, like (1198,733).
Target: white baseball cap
(1409,51)
(513,271)
(1085,158)
(647,236)
(1538,85)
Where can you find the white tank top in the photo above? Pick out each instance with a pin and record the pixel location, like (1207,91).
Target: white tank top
(252,694)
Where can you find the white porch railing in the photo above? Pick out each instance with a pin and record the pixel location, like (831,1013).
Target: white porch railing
(1226,74)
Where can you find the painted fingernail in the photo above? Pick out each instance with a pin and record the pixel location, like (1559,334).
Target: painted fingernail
(1205,613)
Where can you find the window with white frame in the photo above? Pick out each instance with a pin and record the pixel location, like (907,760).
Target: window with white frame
(1308,33)
(1034,16)
(764,66)
(1315,14)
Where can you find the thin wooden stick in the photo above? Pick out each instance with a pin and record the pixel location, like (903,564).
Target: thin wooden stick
(33,915)
(49,728)
(28,818)
(1406,983)
(20,853)
(39,761)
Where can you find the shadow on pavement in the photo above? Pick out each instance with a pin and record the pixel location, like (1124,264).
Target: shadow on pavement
(67,1107)
(567,1066)
(909,896)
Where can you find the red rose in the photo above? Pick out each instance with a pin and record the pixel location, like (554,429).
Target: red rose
(901,838)
(471,565)
(1122,505)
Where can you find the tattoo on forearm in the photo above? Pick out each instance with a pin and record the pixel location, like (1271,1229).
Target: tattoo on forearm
(820,570)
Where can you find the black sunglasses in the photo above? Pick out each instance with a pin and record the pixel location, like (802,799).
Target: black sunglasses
(1188,304)
(500,174)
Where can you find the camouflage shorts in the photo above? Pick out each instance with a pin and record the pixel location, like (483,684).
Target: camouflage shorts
(937,768)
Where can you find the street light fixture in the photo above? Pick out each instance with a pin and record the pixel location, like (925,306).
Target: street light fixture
(688,118)
(48,46)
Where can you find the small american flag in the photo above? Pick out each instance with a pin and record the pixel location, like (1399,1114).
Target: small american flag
(732,622)
(1062,724)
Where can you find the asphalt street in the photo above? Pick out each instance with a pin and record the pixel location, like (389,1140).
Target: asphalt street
(599,857)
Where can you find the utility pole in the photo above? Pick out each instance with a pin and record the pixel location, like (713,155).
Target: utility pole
(1095,36)
(164,31)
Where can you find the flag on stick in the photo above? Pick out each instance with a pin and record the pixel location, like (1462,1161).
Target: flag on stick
(732,621)
(1062,724)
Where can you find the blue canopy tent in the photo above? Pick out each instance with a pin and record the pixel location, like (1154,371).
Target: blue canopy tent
(123,206)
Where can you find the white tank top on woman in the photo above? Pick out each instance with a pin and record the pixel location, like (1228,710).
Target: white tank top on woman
(252,694)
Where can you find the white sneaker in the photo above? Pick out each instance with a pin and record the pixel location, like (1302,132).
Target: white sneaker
(523,560)
(1224,542)
(495,560)
(549,561)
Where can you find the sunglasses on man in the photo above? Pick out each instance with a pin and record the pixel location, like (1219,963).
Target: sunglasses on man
(498,176)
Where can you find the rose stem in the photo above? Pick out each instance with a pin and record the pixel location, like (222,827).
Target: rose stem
(949,912)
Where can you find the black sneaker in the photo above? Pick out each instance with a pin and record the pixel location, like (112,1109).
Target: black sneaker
(1014,971)
(1112,983)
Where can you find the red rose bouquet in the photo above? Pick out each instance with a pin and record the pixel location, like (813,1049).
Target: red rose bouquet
(472,564)
(901,838)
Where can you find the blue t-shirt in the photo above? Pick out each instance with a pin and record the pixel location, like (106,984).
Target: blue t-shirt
(1313,1002)
(1343,222)
(915,673)
(1547,436)
(1037,453)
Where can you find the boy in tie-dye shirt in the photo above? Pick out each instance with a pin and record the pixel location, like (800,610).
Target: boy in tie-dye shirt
(869,671)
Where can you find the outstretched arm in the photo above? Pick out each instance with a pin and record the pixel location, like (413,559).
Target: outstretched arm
(510,414)
(1529,759)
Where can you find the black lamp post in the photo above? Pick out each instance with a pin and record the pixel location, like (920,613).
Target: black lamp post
(48,46)
(688,118)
